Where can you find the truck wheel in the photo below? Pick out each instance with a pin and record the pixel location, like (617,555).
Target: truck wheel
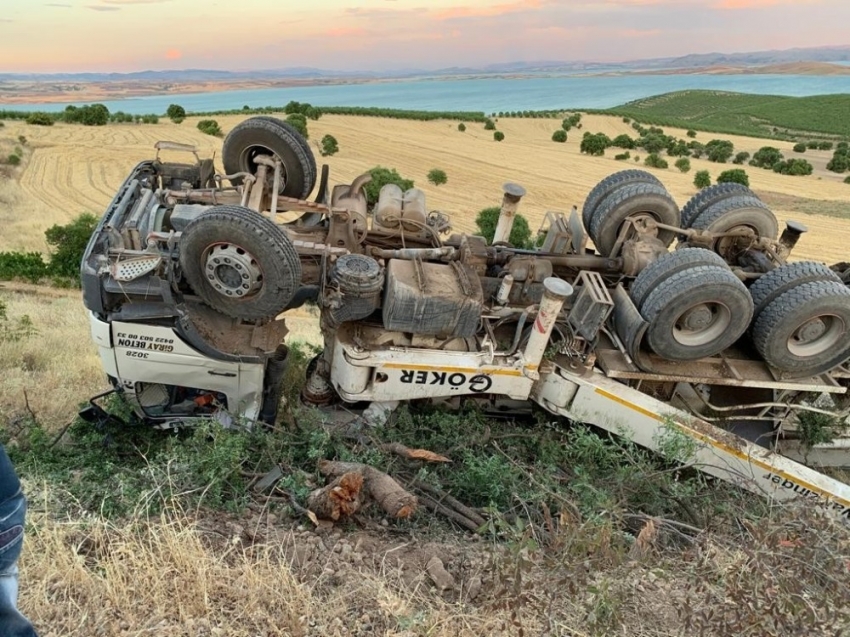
(784,278)
(707,197)
(239,262)
(609,185)
(637,200)
(696,312)
(732,213)
(666,266)
(806,330)
(271,136)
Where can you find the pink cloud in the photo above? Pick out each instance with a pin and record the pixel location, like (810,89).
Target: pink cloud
(346,32)
(758,4)
(483,12)
(173,54)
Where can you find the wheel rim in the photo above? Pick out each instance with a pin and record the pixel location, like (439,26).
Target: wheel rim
(816,335)
(232,271)
(248,162)
(702,324)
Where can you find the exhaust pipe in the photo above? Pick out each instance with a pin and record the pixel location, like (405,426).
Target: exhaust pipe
(510,201)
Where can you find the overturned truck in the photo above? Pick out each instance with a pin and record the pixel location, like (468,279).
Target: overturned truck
(688,321)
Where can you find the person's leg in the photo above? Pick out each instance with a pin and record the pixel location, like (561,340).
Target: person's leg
(12,513)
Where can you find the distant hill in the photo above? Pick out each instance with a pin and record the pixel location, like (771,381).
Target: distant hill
(733,61)
(786,68)
(744,114)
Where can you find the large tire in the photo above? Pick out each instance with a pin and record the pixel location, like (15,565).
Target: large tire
(666,266)
(707,197)
(637,199)
(696,312)
(806,330)
(271,136)
(738,211)
(239,262)
(784,278)
(609,185)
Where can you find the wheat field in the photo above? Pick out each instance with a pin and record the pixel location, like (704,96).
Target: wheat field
(69,169)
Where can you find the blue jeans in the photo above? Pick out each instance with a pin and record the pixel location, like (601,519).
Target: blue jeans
(13,507)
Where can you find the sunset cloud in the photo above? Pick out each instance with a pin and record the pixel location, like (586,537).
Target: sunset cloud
(488,11)
(173,54)
(759,4)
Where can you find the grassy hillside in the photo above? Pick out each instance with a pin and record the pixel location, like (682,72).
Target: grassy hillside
(740,113)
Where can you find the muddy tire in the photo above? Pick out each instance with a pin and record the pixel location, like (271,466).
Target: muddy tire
(637,199)
(271,136)
(696,312)
(707,197)
(239,262)
(738,211)
(666,266)
(806,330)
(785,278)
(610,184)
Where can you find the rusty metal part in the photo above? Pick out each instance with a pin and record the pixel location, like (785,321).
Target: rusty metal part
(636,255)
(510,201)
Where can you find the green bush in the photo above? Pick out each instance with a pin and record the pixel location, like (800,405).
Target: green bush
(623,156)
(69,243)
(13,159)
(299,123)
(719,150)
(824,145)
(329,146)
(847,180)
(838,163)
(176,112)
(623,141)
(488,219)
(382,176)
(559,136)
(29,266)
(489,124)
(461,127)
(683,164)
(678,148)
(736,175)
(21,140)
(150,119)
(653,160)
(800,148)
(812,144)
(437,177)
(595,144)
(691,133)
(766,157)
(702,179)
(793,167)
(741,157)
(40,119)
(498,135)
(210,127)
(88,115)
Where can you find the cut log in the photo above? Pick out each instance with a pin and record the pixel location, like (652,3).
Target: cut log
(388,493)
(340,499)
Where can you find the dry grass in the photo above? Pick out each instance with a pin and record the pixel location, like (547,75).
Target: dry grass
(74,169)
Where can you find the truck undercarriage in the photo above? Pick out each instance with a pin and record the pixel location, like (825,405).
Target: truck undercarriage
(719,338)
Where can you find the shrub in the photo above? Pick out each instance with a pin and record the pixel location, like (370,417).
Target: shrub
(22,140)
(847,180)
(719,150)
(329,146)
(691,133)
(838,163)
(210,127)
(382,176)
(488,219)
(800,148)
(653,160)
(678,148)
(461,127)
(13,159)
(28,266)
(498,135)
(623,156)
(40,119)
(812,144)
(824,145)
(637,158)
(702,179)
(437,177)
(595,144)
(623,141)
(489,124)
(88,115)
(794,166)
(736,175)
(150,119)
(176,113)
(766,157)
(559,135)
(299,123)
(653,143)
(69,243)
(741,157)
(626,120)
(683,164)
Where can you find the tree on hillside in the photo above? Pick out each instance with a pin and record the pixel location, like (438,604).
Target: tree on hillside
(498,136)
(329,146)
(691,133)
(736,175)
(69,243)
(653,160)
(623,141)
(461,127)
(210,127)
(683,164)
(40,119)
(702,179)
(437,177)
(176,113)
(488,219)
(766,157)
(800,147)
(299,123)
(741,157)
(559,135)
(489,124)
(594,144)
(380,177)
(794,166)
(719,150)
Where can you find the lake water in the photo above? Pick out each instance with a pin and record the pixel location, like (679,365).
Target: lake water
(487,94)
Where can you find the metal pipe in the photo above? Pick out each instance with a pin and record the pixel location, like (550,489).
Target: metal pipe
(409,254)
(256,198)
(504,292)
(276,187)
(792,233)
(510,201)
(555,292)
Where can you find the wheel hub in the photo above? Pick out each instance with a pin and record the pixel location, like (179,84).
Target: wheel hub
(811,331)
(697,318)
(702,324)
(816,336)
(232,271)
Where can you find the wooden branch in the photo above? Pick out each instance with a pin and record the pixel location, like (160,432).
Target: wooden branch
(455,504)
(389,495)
(339,499)
(453,515)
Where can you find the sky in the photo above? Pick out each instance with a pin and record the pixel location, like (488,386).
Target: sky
(385,35)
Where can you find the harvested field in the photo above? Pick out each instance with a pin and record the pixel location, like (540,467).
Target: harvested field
(71,169)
